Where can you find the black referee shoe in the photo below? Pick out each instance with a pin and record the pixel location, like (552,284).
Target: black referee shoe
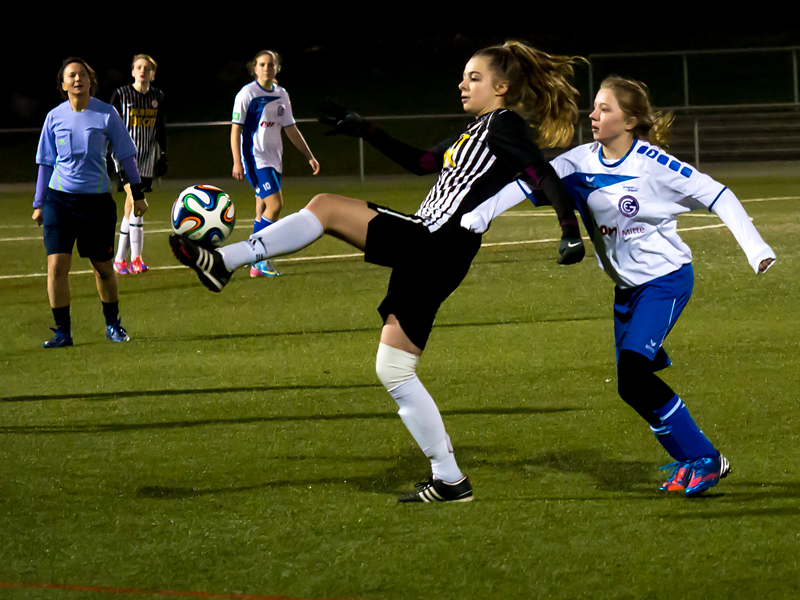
(436,490)
(207,264)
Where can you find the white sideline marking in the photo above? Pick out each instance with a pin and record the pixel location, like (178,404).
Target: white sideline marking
(39,237)
(358,254)
(545,213)
(345,256)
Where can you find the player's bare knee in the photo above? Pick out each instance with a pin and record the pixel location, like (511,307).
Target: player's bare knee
(58,272)
(319,202)
(104,271)
(322,205)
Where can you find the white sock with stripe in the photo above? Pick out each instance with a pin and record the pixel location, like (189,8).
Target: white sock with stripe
(124,245)
(136,236)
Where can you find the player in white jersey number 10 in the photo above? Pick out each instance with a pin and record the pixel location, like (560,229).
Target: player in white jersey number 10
(261,111)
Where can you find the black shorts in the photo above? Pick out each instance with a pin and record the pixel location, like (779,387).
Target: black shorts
(89,219)
(426,267)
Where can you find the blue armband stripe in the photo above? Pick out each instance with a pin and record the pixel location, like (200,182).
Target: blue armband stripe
(717,198)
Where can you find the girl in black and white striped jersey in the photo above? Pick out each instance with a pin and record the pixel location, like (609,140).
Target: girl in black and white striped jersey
(521,98)
(141,107)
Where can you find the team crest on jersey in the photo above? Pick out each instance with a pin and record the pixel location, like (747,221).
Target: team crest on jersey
(448,156)
(628,206)
(281,110)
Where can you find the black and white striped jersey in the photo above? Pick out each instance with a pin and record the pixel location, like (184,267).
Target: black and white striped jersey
(492,151)
(143,115)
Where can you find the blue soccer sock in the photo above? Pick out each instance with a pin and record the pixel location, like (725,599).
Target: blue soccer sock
(679,434)
(260,224)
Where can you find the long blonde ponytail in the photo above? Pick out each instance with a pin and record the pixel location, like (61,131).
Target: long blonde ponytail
(539,89)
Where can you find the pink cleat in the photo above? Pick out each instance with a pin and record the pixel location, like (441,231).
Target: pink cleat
(137,266)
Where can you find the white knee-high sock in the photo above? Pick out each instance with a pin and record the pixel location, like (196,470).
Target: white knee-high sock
(124,245)
(397,371)
(287,235)
(137,236)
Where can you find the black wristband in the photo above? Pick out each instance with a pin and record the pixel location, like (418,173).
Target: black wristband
(137,191)
(570,230)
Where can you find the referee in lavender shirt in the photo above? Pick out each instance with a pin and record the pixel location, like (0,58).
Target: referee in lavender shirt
(72,199)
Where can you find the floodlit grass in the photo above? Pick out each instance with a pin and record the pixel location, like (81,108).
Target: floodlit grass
(241,442)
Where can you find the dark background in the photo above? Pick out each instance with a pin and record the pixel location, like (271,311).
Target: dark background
(374,69)
(381,67)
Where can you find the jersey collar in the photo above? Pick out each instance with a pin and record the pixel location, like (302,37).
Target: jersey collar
(610,165)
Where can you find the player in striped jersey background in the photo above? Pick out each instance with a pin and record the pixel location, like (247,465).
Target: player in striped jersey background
(141,107)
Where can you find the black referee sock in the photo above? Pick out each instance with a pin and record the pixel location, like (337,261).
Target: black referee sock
(110,312)
(63,319)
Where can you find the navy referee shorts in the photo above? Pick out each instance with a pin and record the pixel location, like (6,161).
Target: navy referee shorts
(90,220)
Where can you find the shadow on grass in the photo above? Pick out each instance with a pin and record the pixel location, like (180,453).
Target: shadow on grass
(117,427)
(608,475)
(526,321)
(394,480)
(635,478)
(97,396)
(252,335)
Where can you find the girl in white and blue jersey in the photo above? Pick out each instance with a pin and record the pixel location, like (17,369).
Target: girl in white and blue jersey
(629,193)
(72,201)
(261,111)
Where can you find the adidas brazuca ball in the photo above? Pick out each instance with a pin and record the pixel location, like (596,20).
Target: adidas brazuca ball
(204,214)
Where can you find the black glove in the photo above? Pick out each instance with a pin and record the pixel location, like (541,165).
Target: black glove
(160,168)
(571,249)
(343,121)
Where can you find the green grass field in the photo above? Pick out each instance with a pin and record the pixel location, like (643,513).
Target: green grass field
(241,446)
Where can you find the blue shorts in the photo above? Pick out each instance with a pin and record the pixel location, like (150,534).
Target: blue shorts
(265,182)
(644,315)
(88,219)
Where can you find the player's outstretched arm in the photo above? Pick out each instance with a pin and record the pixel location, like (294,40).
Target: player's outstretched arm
(346,122)
(730,210)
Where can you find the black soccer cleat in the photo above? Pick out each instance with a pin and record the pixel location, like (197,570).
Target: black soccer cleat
(207,264)
(436,490)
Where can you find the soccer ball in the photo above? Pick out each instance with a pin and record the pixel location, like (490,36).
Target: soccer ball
(204,214)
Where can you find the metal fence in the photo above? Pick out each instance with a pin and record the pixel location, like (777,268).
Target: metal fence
(705,129)
(777,66)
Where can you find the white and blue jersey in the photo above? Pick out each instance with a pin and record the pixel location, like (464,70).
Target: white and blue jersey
(630,208)
(262,114)
(75,144)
